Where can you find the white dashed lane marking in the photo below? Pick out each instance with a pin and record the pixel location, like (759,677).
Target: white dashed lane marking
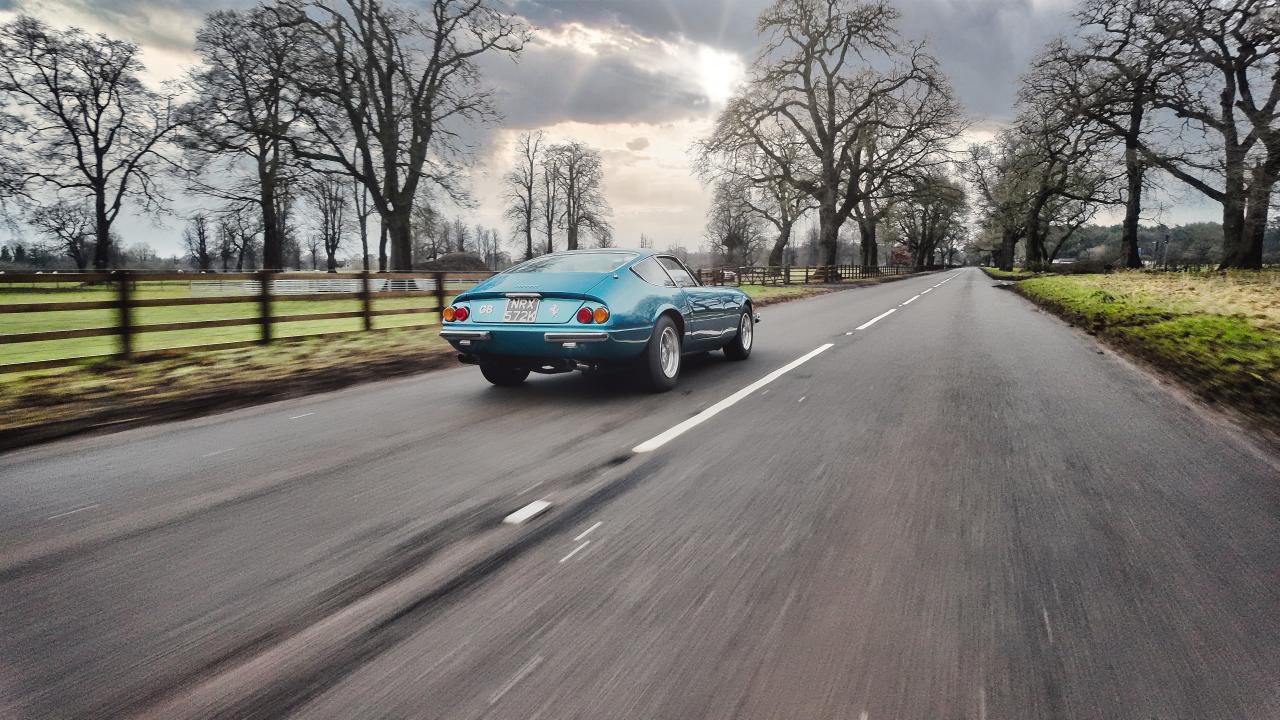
(667,436)
(73,512)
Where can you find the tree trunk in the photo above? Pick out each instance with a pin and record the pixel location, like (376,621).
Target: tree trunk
(1235,251)
(780,245)
(1133,205)
(272,240)
(364,242)
(332,261)
(401,238)
(382,244)
(1008,246)
(827,228)
(102,227)
(870,247)
(1255,220)
(572,242)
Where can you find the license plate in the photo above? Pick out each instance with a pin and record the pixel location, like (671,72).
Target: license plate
(520,310)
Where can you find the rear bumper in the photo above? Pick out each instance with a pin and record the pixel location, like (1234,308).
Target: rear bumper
(548,341)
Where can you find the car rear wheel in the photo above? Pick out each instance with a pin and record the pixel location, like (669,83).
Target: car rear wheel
(739,348)
(503,375)
(661,367)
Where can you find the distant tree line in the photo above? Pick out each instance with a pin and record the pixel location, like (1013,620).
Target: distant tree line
(352,110)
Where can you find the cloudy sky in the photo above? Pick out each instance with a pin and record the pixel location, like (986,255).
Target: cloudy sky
(638,79)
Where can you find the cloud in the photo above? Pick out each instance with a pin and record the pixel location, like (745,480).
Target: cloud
(609,74)
(638,144)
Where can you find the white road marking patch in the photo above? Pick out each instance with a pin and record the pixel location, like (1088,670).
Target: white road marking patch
(295,417)
(587,531)
(802,397)
(875,319)
(73,512)
(575,550)
(520,675)
(217,452)
(527,513)
(663,438)
(1048,629)
(913,299)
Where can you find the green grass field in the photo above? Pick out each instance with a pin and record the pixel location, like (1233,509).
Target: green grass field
(1219,333)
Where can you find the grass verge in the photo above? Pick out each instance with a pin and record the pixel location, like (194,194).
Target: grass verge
(998,274)
(1219,334)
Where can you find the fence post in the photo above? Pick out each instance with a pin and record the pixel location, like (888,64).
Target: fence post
(366,300)
(264,305)
(439,278)
(124,308)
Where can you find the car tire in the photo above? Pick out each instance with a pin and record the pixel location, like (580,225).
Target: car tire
(504,375)
(739,348)
(660,366)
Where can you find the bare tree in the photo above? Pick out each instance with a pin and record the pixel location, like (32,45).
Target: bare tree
(736,156)
(522,186)
(931,217)
(580,180)
(243,107)
(460,235)
(89,126)
(199,241)
(392,84)
(552,200)
(733,225)
(238,231)
(328,196)
(314,243)
(835,74)
(69,227)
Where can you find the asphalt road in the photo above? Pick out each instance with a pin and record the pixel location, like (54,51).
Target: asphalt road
(963,510)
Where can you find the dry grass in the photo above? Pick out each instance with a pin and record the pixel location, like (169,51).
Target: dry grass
(1252,296)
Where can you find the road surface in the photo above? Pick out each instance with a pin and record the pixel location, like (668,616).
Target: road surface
(964,509)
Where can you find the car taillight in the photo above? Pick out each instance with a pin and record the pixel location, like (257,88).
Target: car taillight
(601,315)
(584,316)
(460,313)
(449,314)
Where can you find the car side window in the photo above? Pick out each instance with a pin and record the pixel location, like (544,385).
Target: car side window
(651,272)
(678,272)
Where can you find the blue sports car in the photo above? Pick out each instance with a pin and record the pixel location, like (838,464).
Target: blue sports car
(588,309)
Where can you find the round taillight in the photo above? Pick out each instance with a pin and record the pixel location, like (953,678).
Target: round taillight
(449,314)
(460,314)
(601,315)
(584,316)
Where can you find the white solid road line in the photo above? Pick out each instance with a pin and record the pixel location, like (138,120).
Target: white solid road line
(527,513)
(217,452)
(913,299)
(73,512)
(663,438)
(295,417)
(875,320)
(587,531)
(926,290)
(575,550)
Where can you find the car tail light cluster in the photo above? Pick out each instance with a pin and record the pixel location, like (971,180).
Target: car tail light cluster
(456,313)
(586,315)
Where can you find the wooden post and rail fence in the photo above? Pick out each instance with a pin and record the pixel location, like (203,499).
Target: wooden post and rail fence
(265,288)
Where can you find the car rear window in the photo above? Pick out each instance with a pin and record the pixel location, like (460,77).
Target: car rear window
(601,262)
(651,272)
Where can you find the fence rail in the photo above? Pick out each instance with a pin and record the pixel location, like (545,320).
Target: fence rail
(797,274)
(262,289)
